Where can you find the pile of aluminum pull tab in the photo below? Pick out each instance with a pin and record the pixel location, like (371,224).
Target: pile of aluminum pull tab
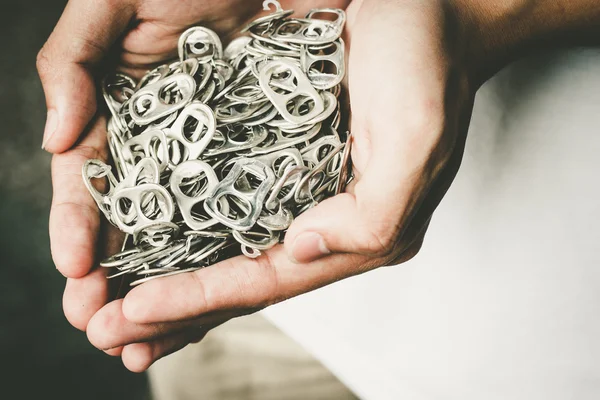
(220,150)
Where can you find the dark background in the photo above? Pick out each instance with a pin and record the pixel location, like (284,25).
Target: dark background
(41,355)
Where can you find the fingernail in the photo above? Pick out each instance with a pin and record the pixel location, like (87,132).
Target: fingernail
(307,247)
(51,124)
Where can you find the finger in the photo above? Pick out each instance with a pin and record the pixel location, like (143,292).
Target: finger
(148,45)
(137,66)
(80,40)
(83,297)
(74,217)
(109,328)
(138,357)
(301,8)
(239,283)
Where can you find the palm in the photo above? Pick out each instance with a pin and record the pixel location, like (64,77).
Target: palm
(159,24)
(153,38)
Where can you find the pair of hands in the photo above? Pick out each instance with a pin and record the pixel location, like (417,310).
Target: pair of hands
(411,98)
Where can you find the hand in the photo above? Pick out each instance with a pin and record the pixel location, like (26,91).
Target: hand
(130,35)
(411,102)
(93,37)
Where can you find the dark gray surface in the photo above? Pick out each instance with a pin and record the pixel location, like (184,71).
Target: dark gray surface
(41,355)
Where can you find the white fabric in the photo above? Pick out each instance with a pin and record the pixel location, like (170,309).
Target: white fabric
(503,301)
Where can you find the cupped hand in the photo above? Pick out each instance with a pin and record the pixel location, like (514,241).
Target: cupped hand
(91,38)
(411,99)
(132,36)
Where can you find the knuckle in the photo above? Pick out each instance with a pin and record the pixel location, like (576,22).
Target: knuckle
(379,240)
(242,286)
(424,126)
(200,300)
(427,134)
(84,50)
(76,157)
(87,152)
(73,215)
(427,115)
(43,62)
(254,284)
(269,285)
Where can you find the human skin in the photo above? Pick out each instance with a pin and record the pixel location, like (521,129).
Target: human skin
(414,68)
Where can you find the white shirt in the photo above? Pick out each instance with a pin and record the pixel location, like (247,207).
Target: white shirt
(503,301)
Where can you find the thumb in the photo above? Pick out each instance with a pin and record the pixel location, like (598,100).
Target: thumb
(336,226)
(369,221)
(80,40)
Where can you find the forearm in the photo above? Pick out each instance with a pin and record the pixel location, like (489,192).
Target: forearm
(499,32)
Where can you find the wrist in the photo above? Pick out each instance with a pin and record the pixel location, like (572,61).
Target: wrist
(497,33)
